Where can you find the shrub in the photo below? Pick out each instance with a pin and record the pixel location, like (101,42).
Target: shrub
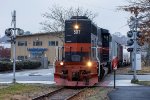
(31,64)
(7,66)
(19,65)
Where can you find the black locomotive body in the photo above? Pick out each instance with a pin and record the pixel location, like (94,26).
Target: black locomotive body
(85,55)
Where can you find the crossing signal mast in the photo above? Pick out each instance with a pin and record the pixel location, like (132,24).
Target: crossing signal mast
(134,42)
(11,33)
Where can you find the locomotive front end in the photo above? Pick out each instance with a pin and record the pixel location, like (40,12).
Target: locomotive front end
(76,74)
(77,67)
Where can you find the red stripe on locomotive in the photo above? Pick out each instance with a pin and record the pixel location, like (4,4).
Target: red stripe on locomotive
(76,47)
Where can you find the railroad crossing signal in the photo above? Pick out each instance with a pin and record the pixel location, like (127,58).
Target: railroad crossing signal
(8,32)
(130,42)
(138,38)
(130,49)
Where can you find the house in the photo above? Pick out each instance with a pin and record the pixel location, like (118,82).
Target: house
(34,46)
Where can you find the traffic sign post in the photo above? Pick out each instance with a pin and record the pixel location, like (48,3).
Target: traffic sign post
(114,65)
(114,78)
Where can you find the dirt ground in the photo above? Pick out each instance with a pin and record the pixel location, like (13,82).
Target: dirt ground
(94,93)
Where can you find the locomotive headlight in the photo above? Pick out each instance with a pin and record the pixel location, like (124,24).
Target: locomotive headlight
(61,63)
(89,63)
(76,26)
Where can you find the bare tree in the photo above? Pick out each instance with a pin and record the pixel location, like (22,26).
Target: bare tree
(55,18)
(141,8)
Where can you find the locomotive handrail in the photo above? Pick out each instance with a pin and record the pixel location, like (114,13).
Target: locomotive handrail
(97,58)
(57,53)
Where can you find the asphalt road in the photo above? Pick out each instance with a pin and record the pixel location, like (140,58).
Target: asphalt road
(29,76)
(127,91)
(130,93)
(47,76)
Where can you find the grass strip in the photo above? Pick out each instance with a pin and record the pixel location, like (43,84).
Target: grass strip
(17,89)
(146,83)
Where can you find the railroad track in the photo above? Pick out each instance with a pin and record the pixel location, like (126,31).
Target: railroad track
(60,94)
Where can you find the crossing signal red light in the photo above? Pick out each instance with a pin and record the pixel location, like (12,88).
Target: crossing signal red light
(130,42)
(130,49)
(130,34)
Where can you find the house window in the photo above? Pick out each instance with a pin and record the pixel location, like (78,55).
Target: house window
(22,57)
(25,57)
(22,43)
(53,43)
(56,43)
(37,43)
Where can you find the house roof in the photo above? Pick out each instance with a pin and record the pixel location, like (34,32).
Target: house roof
(37,34)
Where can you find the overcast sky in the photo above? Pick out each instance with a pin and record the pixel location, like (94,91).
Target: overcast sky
(29,13)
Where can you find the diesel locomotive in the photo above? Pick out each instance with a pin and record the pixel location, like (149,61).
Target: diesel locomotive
(89,52)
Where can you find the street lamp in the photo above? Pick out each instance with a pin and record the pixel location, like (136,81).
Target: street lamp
(11,33)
